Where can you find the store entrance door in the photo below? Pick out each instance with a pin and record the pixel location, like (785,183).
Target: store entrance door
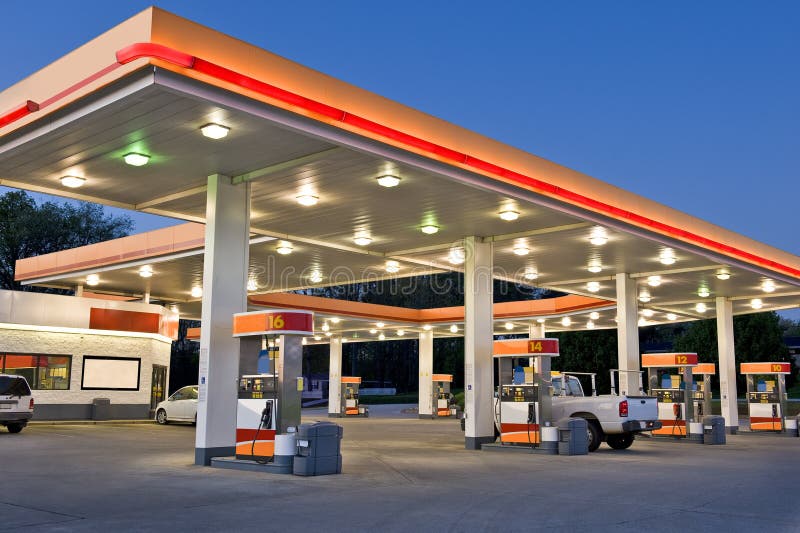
(158,388)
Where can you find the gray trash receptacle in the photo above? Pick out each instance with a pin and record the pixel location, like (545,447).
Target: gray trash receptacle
(572,436)
(713,430)
(319,449)
(101,409)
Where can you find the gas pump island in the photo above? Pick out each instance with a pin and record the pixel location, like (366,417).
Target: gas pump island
(670,380)
(766,395)
(268,408)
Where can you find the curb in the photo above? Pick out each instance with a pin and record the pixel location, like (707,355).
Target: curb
(86,422)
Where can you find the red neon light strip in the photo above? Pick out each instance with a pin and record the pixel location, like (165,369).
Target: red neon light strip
(181,59)
(18,112)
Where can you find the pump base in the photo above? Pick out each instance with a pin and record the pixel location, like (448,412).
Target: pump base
(497,447)
(203,456)
(475,443)
(283,467)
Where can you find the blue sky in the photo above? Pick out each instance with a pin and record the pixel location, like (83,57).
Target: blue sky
(693,104)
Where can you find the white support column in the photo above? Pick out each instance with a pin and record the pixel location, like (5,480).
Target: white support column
(478,338)
(425,373)
(146,298)
(727,364)
(79,290)
(628,356)
(536,331)
(335,378)
(224,293)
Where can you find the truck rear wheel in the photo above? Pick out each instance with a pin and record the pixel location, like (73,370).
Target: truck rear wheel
(621,441)
(594,434)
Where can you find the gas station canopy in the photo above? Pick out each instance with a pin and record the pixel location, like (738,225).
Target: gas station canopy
(346,186)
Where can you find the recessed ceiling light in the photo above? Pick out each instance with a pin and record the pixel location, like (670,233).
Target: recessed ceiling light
(335,319)
(379,324)
(701,308)
(315,277)
(703,292)
(756,303)
(362,239)
(768,286)
(388,181)
(642,322)
(284,248)
(456,256)
(373,331)
(426,327)
(594,315)
(392,267)
(594,267)
(401,332)
(429,229)
(317,337)
(328,333)
(530,273)
(723,274)
(72,181)
(325,327)
(509,326)
(654,281)
(381,336)
(92,280)
(598,236)
(667,256)
(509,215)
(251,285)
(307,199)
(590,325)
(453,329)
(215,131)
(593,286)
(566,321)
(136,160)
(196,292)
(644,297)
(145,271)
(521,249)
(671,316)
(648,312)
(540,320)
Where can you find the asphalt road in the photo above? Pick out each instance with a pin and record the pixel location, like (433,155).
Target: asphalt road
(400,474)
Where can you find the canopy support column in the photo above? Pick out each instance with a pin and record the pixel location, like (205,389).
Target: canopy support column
(335,377)
(627,335)
(727,364)
(425,373)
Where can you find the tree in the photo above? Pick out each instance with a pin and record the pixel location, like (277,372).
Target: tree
(28,229)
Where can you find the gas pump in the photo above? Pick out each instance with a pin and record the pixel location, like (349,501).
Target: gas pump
(766,395)
(524,389)
(670,380)
(256,417)
(349,392)
(443,400)
(701,396)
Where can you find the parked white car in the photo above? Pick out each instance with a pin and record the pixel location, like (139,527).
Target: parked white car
(180,407)
(16,402)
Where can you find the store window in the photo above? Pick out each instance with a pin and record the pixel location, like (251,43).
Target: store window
(43,372)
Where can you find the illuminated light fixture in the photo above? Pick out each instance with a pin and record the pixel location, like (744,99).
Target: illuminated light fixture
(509,326)
(173,308)
(540,320)
(453,329)
(593,286)
(381,336)
(325,327)
(379,324)
(426,327)
(530,273)
(317,337)
(594,315)
(373,331)
(642,322)
(72,181)
(146,271)
(215,131)
(362,239)
(667,256)
(284,248)
(616,319)
(315,277)
(509,215)
(701,308)
(136,160)
(756,303)
(307,200)
(521,249)
(648,312)
(305,341)
(401,332)
(598,236)
(345,339)
(429,229)
(251,285)
(723,274)
(671,316)
(328,333)
(566,321)
(196,292)
(594,267)
(392,267)
(768,286)
(654,281)
(92,280)
(703,292)
(335,319)
(388,181)
(456,256)
(590,325)
(644,297)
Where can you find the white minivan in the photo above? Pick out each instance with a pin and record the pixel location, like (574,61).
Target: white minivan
(16,402)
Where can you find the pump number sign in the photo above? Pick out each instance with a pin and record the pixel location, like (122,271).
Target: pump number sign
(273,322)
(543,346)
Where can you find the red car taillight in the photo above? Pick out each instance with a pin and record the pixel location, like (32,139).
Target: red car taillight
(623,408)
(31,405)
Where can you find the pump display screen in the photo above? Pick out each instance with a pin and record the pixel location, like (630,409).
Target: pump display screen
(668,395)
(763,397)
(256,388)
(519,393)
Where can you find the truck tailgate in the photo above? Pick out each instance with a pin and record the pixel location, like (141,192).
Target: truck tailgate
(642,408)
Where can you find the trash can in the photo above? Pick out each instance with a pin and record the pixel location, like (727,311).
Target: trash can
(318,449)
(713,430)
(101,409)
(791,427)
(572,436)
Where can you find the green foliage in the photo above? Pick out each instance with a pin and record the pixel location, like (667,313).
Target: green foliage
(28,229)
(588,351)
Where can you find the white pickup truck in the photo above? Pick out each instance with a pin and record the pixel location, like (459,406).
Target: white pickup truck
(611,418)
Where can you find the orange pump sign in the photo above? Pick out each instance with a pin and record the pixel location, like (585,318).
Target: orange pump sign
(273,322)
(547,347)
